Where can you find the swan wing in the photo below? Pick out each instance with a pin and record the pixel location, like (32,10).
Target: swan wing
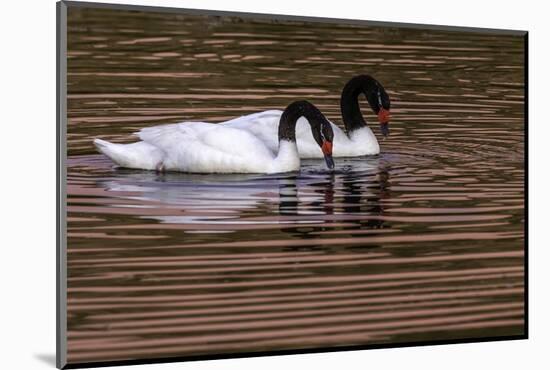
(268,116)
(206,147)
(171,136)
(263,125)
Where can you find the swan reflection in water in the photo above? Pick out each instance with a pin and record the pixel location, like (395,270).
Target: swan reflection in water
(348,198)
(351,196)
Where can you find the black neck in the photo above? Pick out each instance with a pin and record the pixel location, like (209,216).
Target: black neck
(349,101)
(297,109)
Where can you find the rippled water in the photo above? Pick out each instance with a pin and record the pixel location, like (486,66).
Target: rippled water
(423,242)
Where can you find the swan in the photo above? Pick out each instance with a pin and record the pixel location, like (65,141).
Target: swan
(201,147)
(357,139)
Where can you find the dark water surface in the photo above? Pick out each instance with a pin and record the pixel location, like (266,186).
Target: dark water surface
(423,242)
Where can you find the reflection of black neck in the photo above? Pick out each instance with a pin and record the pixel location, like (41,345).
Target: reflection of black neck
(288,196)
(349,101)
(356,202)
(287,124)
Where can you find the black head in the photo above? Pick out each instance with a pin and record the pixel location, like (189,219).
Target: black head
(320,126)
(379,101)
(377,98)
(324,136)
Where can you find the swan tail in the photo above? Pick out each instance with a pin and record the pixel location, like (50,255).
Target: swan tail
(140,155)
(102,145)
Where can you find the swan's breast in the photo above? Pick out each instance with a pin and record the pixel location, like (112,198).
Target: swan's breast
(363,142)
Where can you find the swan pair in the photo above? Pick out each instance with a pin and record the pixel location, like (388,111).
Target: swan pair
(266,142)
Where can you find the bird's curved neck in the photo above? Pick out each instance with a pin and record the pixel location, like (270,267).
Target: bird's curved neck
(349,101)
(287,123)
(288,157)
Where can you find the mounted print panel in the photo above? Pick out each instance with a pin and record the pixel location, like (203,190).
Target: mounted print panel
(238,184)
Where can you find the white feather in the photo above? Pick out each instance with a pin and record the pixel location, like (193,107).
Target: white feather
(140,155)
(264,125)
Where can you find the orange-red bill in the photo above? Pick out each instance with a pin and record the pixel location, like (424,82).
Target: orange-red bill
(327,151)
(384,116)
(327,147)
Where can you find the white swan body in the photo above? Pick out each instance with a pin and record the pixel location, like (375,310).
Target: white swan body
(201,147)
(264,126)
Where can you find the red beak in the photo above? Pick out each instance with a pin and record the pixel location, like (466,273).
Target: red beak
(327,151)
(384,116)
(327,147)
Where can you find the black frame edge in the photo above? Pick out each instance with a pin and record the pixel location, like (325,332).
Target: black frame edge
(61,268)
(526,181)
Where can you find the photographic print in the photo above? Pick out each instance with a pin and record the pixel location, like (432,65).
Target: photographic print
(239,184)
